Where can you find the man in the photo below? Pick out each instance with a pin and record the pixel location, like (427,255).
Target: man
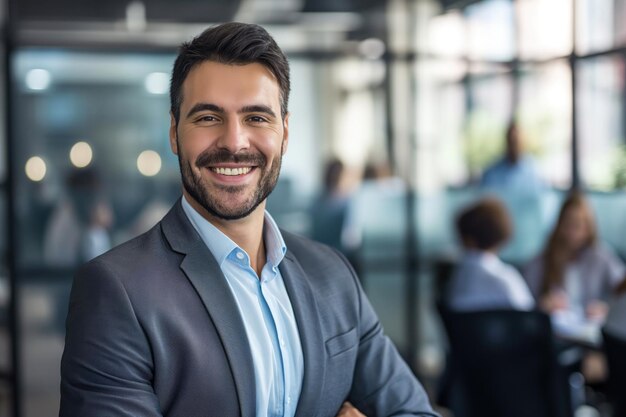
(481,280)
(215,311)
(516,171)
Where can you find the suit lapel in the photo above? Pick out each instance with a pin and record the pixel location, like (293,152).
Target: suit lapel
(307,317)
(206,276)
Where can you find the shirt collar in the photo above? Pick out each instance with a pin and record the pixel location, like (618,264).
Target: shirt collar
(275,246)
(221,245)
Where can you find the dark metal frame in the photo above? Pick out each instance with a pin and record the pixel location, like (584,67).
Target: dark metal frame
(13,375)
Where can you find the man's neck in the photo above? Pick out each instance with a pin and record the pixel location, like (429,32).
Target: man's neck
(247,232)
(513,159)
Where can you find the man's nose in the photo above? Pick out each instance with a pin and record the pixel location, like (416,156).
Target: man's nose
(234,138)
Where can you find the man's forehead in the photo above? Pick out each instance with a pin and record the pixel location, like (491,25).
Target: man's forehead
(211,78)
(216,71)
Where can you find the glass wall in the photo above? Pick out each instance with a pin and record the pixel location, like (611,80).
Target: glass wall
(92,169)
(93,156)
(601,122)
(544,110)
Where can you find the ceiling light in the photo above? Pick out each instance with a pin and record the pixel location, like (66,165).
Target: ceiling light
(38,79)
(149,163)
(35,169)
(157,83)
(81,154)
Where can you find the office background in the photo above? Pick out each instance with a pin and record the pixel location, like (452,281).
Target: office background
(423,90)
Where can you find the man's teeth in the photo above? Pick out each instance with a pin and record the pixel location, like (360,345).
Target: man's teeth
(232,171)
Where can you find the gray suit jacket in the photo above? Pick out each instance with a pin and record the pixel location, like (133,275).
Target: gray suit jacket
(154,330)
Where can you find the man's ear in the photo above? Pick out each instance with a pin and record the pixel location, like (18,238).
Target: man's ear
(173,134)
(285,133)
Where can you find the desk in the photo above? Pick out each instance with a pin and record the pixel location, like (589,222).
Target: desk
(584,333)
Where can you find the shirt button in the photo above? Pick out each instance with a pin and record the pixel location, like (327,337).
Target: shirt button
(240,256)
(288,400)
(282,343)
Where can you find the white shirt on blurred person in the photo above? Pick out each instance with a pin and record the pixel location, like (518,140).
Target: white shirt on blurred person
(483,282)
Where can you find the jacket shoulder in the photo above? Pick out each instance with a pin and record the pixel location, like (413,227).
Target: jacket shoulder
(304,248)
(145,252)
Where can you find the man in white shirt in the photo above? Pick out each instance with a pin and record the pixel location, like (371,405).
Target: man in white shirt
(482,281)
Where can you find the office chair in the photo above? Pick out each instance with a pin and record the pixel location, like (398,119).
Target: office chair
(504,363)
(615,349)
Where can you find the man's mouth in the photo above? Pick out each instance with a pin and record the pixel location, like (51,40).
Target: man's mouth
(231,171)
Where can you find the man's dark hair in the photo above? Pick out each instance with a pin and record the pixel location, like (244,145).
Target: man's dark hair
(485,224)
(231,44)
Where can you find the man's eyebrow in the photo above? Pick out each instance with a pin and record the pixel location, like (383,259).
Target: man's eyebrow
(258,108)
(204,107)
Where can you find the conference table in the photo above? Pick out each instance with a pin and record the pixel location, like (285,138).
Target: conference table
(578,331)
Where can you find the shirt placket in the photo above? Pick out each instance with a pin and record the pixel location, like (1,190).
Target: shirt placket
(279,385)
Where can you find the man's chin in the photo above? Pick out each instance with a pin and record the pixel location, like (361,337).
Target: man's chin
(230,215)
(231,209)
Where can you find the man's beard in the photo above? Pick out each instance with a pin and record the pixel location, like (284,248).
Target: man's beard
(213,202)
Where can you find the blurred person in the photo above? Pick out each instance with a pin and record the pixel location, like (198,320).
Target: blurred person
(516,170)
(78,229)
(576,274)
(378,188)
(482,281)
(329,210)
(155,207)
(215,311)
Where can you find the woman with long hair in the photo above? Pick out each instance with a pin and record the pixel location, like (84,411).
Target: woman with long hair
(575,272)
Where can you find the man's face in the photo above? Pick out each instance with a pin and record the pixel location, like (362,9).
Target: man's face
(230,138)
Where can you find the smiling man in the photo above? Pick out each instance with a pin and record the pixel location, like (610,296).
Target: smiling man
(216,311)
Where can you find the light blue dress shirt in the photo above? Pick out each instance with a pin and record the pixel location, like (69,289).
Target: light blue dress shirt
(266,312)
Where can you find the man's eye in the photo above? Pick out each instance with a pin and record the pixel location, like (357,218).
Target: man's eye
(257,119)
(207,119)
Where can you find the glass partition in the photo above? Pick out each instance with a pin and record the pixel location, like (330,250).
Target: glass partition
(599,25)
(545,28)
(489,113)
(491,30)
(92,160)
(544,111)
(92,168)
(600,121)
(594,20)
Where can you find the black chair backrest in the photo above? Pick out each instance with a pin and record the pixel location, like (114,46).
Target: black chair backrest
(506,363)
(615,349)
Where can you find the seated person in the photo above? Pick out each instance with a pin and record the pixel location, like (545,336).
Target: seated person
(575,275)
(482,281)
(616,319)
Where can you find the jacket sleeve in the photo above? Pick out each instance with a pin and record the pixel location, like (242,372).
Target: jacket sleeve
(106,369)
(383,384)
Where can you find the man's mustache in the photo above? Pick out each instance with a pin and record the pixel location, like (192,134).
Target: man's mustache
(220,156)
